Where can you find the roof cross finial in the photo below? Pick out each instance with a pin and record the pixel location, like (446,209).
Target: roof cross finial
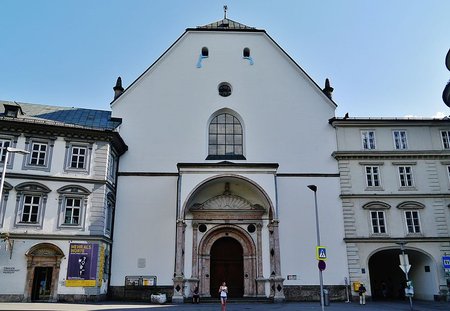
(225,8)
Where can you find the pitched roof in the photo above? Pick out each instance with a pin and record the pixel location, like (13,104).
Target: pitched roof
(63,116)
(226,24)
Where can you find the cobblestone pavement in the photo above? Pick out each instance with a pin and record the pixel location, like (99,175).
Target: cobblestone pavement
(334,306)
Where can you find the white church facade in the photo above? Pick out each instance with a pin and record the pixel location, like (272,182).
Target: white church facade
(207,170)
(219,164)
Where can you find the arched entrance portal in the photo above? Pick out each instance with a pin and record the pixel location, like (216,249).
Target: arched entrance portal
(43,265)
(227,265)
(387,280)
(228,224)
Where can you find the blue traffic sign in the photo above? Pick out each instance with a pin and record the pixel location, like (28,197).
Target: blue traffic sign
(446,262)
(321,253)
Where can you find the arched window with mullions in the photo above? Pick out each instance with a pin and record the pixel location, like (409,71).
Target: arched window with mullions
(225,138)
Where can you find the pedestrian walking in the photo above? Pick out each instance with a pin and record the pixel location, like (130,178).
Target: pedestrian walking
(223,292)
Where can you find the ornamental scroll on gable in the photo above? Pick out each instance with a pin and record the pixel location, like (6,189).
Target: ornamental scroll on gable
(227,204)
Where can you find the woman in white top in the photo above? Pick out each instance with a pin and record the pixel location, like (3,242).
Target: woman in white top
(223,291)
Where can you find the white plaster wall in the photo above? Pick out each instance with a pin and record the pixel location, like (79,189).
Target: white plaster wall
(298,230)
(14,283)
(424,178)
(145,228)
(50,213)
(280,107)
(418,137)
(57,160)
(190,182)
(395,218)
(165,115)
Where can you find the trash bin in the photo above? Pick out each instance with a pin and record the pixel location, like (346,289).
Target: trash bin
(326,297)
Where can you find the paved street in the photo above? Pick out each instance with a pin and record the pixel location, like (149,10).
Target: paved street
(337,306)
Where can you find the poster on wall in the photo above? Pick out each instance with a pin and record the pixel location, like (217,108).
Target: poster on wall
(82,265)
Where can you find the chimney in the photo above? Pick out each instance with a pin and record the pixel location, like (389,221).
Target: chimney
(328,90)
(118,89)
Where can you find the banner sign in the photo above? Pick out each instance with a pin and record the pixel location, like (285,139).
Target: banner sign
(101,266)
(82,265)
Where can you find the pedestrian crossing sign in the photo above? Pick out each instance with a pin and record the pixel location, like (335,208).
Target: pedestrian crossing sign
(321,253)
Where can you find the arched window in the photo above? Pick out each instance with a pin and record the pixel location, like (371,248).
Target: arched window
(225,138)
(246,55)
(205,52)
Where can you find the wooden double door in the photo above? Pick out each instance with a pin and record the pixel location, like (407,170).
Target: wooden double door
(227,265)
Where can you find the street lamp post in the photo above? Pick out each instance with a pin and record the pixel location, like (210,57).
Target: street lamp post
(314,189)
(5,163)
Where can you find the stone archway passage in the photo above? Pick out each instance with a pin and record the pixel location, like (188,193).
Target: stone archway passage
(387,280)
(227,265)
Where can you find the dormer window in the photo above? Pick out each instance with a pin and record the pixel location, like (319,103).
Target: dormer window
(12,111)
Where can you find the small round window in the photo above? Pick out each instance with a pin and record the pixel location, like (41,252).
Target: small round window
(224,89)
(202,228)
(251,228)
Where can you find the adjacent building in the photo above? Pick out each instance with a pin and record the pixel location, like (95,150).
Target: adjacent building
(58,201)
(395,181)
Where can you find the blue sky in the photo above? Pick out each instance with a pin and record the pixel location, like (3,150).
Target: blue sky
(385,58)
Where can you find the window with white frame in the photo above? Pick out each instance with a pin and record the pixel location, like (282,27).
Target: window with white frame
(4,143)
(368,140)
(72,211)
(445,135)
(400,141)
(30,208)
(405,174)
(72,206)
(373,176)
(40,154)
(78,156)
(412,221)
(378,222)
(31,200)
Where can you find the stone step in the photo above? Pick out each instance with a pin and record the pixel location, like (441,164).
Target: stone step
(233,300)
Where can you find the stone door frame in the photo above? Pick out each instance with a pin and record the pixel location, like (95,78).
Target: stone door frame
(249,261)
(43,255)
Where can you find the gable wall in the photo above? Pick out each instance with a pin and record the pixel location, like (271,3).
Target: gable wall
(166,112)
